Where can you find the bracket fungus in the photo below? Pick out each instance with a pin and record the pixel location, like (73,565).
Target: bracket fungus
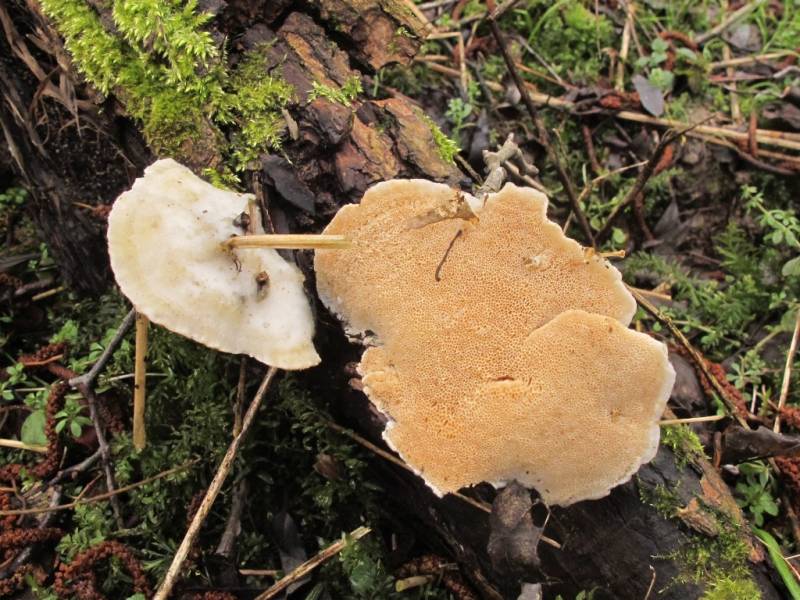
(167,241)
(499,349)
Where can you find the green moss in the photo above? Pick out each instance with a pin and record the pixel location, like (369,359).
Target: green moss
(665,501)
(163,66)
(718,563)
(727,588)
(253,104)
(344,95)
(446,146)
(683,442)
(169,73)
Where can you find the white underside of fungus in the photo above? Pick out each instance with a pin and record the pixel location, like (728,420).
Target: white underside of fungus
(501,347)
(165,240)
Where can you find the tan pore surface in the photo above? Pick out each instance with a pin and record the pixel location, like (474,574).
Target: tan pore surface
(164,239)
(516,364)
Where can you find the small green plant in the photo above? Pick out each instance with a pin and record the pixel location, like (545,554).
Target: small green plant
(781,227)
(72,416)
(755,493)
(458,112)
(12,198)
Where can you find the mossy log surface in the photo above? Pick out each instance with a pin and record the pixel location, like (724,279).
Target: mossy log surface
(674,529)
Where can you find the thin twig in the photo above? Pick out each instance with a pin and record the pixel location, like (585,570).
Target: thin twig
(288,241)
(750,60)
(766,137)
(482,506)
(693,353)
(99,497)
(787,372)
(105,451)
(544,136)
(88,379)
(665,422)
(214,488)
(619,84)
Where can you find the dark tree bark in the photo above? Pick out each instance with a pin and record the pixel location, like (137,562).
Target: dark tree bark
(68,151)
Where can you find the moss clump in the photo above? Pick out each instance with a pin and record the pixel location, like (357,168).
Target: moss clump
(170,75)
(719,563)
(163,65)
(665,501)
(683,442)
(253,103)
(344,95)
(727,588)
(447,147)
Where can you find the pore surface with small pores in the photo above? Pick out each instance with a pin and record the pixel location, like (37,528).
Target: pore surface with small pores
(506,357)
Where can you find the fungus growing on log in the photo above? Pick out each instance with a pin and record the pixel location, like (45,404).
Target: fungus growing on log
(499,348)
(166,238)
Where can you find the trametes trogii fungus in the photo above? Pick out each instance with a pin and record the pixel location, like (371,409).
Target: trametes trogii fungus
(179,254)
(498,349)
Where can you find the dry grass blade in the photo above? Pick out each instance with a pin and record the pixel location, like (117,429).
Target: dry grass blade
(311,564)
(787,371)
(139,382)
(214,488)
(289,241)
(17,445)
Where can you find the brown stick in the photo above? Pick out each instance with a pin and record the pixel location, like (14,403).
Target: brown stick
(787,372)
(214,488)
(312,563)
(544,136)
(139,383)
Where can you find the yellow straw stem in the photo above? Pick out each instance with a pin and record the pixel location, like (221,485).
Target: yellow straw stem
(17,445)
(139,377)
(289,241)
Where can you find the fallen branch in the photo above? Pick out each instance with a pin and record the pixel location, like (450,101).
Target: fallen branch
(214,488)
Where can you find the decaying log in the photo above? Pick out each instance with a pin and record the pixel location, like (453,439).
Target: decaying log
(622,545)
